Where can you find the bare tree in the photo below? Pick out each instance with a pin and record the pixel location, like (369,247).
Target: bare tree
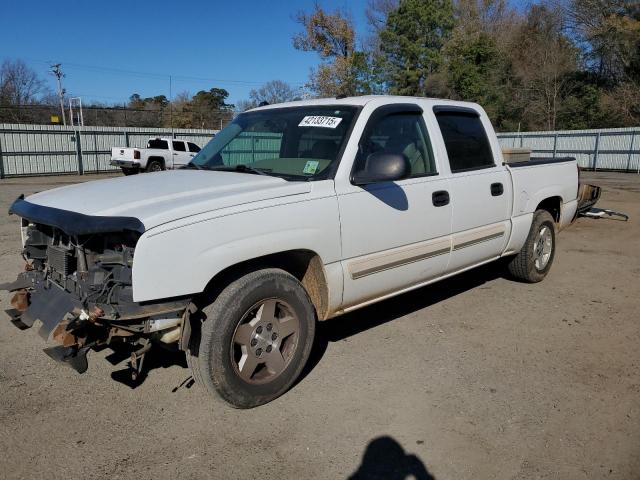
(543,59)
(377,12)
(19,84)
(610,31)
(332,36)
(275,91)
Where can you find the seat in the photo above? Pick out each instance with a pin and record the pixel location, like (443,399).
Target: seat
(404,144)
(325,149)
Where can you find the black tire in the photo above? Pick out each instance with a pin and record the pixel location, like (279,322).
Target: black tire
(236,307)
(528,264)
(155,166)
(129,171)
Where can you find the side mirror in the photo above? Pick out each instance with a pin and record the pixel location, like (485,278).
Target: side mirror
(383,167)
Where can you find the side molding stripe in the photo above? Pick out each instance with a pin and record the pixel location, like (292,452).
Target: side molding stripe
(395,258)
(468,239)
(398,257)
(479,240)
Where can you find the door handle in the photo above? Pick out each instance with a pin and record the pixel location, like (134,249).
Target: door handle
(174,153)
(497,189)
(440,198)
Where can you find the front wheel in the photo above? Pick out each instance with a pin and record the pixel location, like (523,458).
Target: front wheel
(254,339)
(534,260)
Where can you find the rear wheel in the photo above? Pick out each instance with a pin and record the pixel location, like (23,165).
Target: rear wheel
(254,339)
(533,262)
(154,166)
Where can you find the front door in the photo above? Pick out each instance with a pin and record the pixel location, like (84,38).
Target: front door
(394,234)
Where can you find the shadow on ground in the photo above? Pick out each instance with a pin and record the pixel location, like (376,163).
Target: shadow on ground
(155,358)
(345,326)
(385,459)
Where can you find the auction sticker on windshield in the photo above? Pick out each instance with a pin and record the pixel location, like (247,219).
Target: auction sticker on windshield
(311,167)
(320,121)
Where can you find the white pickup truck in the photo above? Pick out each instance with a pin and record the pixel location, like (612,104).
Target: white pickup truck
(160,154)
(293,214)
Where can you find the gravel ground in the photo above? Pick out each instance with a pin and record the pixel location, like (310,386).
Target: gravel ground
(472,378)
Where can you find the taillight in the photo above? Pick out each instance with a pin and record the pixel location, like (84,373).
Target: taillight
(579,172)
(136,154)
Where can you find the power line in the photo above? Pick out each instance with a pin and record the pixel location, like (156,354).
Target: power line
(119,71)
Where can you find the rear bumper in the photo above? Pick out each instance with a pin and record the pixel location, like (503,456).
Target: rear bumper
(125,163)
(588,196)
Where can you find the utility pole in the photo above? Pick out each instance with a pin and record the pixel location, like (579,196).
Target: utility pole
(170,108)
(57,72)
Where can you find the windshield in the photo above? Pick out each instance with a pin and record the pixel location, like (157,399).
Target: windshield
(297,142)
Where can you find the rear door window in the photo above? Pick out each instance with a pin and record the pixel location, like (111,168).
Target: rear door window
(157,143)
(179,147)
(465,139)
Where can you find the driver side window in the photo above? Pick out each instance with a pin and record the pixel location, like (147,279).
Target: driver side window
(403,134)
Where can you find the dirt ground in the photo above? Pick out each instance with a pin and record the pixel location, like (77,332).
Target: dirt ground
(476,377)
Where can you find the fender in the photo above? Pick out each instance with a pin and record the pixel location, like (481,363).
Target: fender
(183,260)
(537,197)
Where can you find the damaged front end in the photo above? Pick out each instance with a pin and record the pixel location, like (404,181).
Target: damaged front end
(77,284)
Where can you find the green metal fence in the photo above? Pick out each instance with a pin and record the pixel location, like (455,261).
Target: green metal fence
(30,150)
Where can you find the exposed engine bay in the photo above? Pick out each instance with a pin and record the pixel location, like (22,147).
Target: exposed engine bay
(79,287)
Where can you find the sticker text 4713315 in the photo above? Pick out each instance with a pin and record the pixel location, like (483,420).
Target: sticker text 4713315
(320,121)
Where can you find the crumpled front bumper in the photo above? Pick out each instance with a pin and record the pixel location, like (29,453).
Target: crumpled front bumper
(75,327)
(36,299)
(45,302)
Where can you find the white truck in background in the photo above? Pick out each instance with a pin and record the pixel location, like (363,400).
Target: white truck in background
(235,258)
(162,153)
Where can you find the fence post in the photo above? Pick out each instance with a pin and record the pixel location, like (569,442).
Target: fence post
(1,161)
(126,139)
(555,144)
(79,153)
(253,149)
(633,137)
(595,153)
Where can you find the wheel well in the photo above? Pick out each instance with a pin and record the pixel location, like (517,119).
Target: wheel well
(551,205)
(305,265)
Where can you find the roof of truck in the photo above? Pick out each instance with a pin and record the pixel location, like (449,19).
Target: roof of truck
(361,101)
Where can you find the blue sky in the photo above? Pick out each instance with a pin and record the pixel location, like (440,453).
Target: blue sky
(102,45)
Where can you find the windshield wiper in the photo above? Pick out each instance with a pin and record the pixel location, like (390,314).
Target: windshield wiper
(243,168)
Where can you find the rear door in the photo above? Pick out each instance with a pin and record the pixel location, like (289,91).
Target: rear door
(479,189)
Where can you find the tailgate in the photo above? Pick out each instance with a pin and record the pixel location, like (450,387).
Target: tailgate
(122,153)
